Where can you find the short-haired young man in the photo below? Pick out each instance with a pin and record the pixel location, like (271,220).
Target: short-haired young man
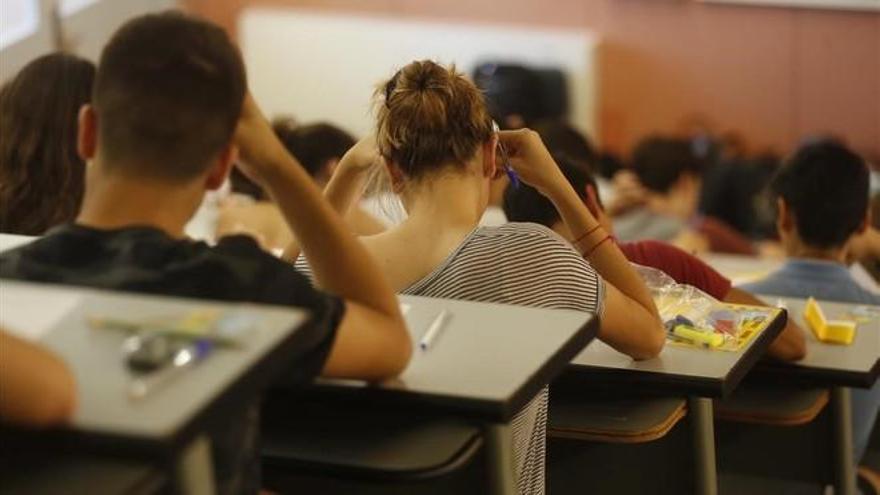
(822,196)
(672,179)
(170,115)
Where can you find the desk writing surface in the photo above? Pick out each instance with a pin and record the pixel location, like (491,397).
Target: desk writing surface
(857,364)
(10,241)
(95,358)
(741,269)
(677,370)
(489,360)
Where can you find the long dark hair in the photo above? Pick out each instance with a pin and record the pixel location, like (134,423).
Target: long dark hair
(41,176)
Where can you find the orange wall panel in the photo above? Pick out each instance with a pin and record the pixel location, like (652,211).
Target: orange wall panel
(774,75)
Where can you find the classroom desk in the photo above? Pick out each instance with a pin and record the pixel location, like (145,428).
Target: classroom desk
(172,420)
(678,371)
(828,365)
(485,366)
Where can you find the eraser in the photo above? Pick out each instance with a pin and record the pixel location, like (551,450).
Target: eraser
(836,331)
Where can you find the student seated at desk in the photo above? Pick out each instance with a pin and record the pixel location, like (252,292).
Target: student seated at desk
(36,388)
(41,175)
(671,176)
(525,204)
(170,115)
(318,147)
(822,195)
(439,149)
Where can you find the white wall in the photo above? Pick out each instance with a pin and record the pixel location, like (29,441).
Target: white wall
(319,66)
(87,30)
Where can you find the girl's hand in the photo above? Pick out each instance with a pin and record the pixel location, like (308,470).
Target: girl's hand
(530,159)
(361,157)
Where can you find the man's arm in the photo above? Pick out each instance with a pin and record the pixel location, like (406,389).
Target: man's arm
(372,341)
(790,345)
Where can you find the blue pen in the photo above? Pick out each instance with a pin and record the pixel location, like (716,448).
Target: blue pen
(505,160)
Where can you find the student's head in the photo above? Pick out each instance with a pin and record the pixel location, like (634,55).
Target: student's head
(562,138)
(41,175)
(318,147)
(526,204)
(822,194)
(431,123)
(167,98)
(669,170)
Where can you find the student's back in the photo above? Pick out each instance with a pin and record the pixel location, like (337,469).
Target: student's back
(170,111)
(439,149)
(498,264)
(822,197)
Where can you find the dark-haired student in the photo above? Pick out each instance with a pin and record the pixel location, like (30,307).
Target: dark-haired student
(822,197)
(525,204)
(36,388)
(318,148)
(41,176)
(672,177)
(170,114)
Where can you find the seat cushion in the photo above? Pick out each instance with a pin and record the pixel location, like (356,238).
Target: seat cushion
(614,420)
(370,446)
(783,406)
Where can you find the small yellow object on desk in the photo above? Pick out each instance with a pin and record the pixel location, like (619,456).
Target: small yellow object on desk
(834,331)
(708,339)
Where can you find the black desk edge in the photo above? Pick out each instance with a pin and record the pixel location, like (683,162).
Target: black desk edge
(754,354)
(786,373)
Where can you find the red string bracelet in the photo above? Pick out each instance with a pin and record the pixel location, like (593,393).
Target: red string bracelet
(596,246)
(584,236)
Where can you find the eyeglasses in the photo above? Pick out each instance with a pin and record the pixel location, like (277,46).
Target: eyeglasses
(505,159)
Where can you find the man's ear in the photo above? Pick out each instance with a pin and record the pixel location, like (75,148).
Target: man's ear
(866,222)
(490,167)
(785,221)
(221,168)
(87,132)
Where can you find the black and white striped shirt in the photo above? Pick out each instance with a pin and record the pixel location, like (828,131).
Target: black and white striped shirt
(522,264)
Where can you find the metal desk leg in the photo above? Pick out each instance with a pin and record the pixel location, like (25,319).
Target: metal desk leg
(499,444)
(195,472)
(844,466)
(702,422)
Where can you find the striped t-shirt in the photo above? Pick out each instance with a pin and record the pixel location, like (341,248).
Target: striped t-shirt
(522,264)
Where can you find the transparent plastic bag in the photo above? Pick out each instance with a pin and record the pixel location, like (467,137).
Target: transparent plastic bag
(691,316)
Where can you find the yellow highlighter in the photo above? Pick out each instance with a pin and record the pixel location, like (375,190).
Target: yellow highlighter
(708,339)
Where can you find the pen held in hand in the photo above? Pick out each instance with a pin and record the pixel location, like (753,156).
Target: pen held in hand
(434,330)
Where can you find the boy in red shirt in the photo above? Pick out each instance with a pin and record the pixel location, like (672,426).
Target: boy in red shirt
(524,204)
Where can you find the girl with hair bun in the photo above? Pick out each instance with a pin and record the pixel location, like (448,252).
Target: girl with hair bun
(435,143)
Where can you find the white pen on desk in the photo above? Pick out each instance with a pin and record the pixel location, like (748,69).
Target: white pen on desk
(434,330)
(183,359)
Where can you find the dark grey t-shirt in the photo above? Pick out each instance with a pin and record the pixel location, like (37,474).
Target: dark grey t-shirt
(144,259)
